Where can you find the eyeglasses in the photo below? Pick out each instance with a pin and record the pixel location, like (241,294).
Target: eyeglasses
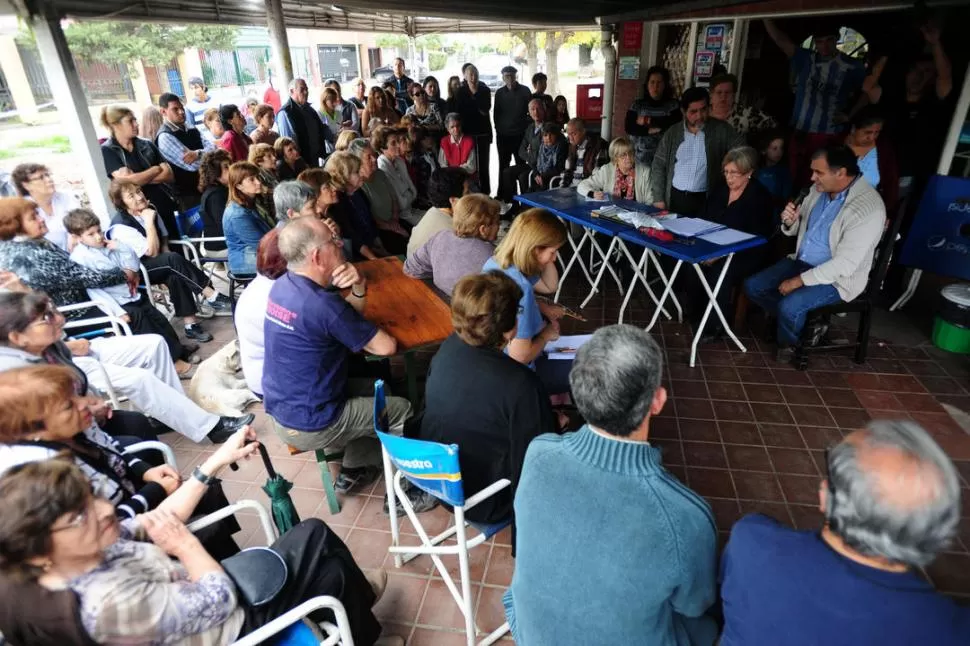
(78,519)
(43,176)
(47,318)
(417,93)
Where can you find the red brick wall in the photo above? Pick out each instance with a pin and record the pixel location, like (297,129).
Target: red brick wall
(625,92)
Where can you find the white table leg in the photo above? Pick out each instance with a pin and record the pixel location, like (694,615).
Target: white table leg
(576,258)
(660,270)
(641,276)
(910,290)
(712,304)
(668,291)
(606,259)
(599,275)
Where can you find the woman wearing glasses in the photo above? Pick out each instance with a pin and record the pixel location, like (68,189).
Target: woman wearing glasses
(35,182)
(742,204)
(622,179)
(423,112)
(45,266)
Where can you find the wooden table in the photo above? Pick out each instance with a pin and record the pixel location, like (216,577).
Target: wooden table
(407,309)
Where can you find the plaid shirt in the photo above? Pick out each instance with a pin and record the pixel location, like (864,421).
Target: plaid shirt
(139,595)
(172,150)
(690,167)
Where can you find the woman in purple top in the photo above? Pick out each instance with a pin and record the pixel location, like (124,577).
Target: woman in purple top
(449,256)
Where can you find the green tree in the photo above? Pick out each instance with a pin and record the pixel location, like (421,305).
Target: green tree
(585,41)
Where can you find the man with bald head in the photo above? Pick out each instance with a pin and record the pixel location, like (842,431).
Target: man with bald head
(310,384)
(300,122)
(891,503)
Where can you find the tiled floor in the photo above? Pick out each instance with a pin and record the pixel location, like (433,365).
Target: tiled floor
(740,429)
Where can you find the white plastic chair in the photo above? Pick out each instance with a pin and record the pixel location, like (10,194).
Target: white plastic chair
(434,468)
(154,445)
(116,325)
(332,634)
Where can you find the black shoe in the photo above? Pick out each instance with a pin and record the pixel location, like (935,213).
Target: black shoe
(227,426)
(197,332)
(350,479)
(421,501)
(785,355)
(188,349)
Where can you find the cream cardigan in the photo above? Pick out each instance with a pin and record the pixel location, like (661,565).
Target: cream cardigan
(603,178)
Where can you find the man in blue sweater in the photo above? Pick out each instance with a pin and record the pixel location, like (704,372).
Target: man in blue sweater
(611,548)
(891,500)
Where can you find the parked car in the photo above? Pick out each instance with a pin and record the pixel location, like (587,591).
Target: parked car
(383,74)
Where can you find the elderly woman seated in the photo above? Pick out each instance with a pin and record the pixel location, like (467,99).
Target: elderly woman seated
(36,183)
(149,580)
(493,432)
(621,179)
(450,255)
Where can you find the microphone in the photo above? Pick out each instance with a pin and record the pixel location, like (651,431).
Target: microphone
(797,201)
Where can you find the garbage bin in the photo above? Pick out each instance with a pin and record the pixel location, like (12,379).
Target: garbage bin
(951,330)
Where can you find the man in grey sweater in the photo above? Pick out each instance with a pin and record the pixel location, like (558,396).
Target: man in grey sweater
(511,119)
(689,158)
(844,218)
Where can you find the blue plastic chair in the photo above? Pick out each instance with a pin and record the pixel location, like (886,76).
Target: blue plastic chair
(434,468)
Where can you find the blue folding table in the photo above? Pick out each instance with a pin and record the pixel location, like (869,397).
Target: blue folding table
(569,205)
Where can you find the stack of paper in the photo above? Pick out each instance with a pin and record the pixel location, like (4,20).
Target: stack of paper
(565,347)
(726,236)
(691,227)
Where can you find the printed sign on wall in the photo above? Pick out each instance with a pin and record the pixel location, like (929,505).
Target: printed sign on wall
(714,37)
(939,240)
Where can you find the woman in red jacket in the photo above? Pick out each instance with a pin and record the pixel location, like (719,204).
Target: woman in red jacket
(235,141)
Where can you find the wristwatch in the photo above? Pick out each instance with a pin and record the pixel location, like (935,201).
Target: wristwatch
(205,479)
(356,295)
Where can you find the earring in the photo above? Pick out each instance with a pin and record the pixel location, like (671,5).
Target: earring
(47,566)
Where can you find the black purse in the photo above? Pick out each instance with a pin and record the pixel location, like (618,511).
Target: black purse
(259,574)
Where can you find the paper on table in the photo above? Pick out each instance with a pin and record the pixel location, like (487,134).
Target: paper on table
(565,347)
(691,227)
(726,236)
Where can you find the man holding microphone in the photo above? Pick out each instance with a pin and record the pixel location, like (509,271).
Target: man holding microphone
(838,225)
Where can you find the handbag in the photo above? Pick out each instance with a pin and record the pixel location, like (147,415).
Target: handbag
(259,574)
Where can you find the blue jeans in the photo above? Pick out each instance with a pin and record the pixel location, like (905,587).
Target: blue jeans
(791,310)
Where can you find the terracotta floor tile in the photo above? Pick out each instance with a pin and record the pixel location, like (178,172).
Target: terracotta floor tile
(726,512)
(721,373)
(819,437)
(839,397)
(801,490)
(716,358)
(791,378)
(776,510)
(812,415)
(740,432)
(504,537)
(757,486)
(684,388)
(671,451)
(710,482)
(850,418)
(825,379)
(925,368)
(797,461)
(919,403)
(501,565)
(402,599)
(699,430)
(747,458)
(763,393)
(439,608)
(428,637)
(771,413)
(733,411)
(804,395)
(780,435)
(369,547)
(477,562)
(879,399)
(806,516)
(704,454)
(726,390)
(664,427)
(910,384)
(694,408)
(756,375)
(490,613)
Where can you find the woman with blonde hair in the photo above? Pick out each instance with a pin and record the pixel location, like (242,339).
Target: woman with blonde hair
(213,123)
(289,163)
(128,156)
(450,255)
(329,113)
(379,108)
(151,122)
(621,179)
(352,211)
(344,139)
(528,255)
(242,223)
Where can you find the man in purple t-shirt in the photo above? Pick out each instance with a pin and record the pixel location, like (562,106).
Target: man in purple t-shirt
(891,502)
(310,332)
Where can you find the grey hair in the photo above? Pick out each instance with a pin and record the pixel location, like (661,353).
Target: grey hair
(614,378)
(293,83)
(452,117)
(358,146)
(293,194)
(860,506)
(577,123)
(619,146)
(298,238)
(744,157)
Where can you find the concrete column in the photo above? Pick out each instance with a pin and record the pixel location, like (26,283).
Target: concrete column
(72,106)
(17,82)
(739,50)
(691,51)
(280,43)
(190,66)
(139,83)
(609,80)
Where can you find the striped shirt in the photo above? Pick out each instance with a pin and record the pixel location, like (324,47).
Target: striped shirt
(823,87)
(690,164)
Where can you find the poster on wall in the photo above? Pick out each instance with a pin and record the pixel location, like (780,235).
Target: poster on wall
(629,68)
(714,37)
(632,35)
(939,240)
(704,64)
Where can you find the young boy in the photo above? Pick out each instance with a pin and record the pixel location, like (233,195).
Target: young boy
(552,156)
(92,250)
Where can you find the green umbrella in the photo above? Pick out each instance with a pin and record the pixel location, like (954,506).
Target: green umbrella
(278,488)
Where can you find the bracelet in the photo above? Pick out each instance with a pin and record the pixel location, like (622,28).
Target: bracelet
(202,477)
(355,295)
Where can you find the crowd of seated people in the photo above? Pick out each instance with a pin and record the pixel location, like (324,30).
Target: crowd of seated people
(301,194)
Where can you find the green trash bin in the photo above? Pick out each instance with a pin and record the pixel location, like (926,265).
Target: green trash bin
(951,329)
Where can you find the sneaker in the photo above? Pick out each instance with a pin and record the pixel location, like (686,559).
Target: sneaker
(197,332)
(355,478)
(227,426)
(204,309)
(421,501)
(785,355)
(221,306)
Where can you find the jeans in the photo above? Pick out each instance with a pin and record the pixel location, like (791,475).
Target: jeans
(791,310)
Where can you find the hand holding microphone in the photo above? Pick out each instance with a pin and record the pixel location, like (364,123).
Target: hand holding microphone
(793,209)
